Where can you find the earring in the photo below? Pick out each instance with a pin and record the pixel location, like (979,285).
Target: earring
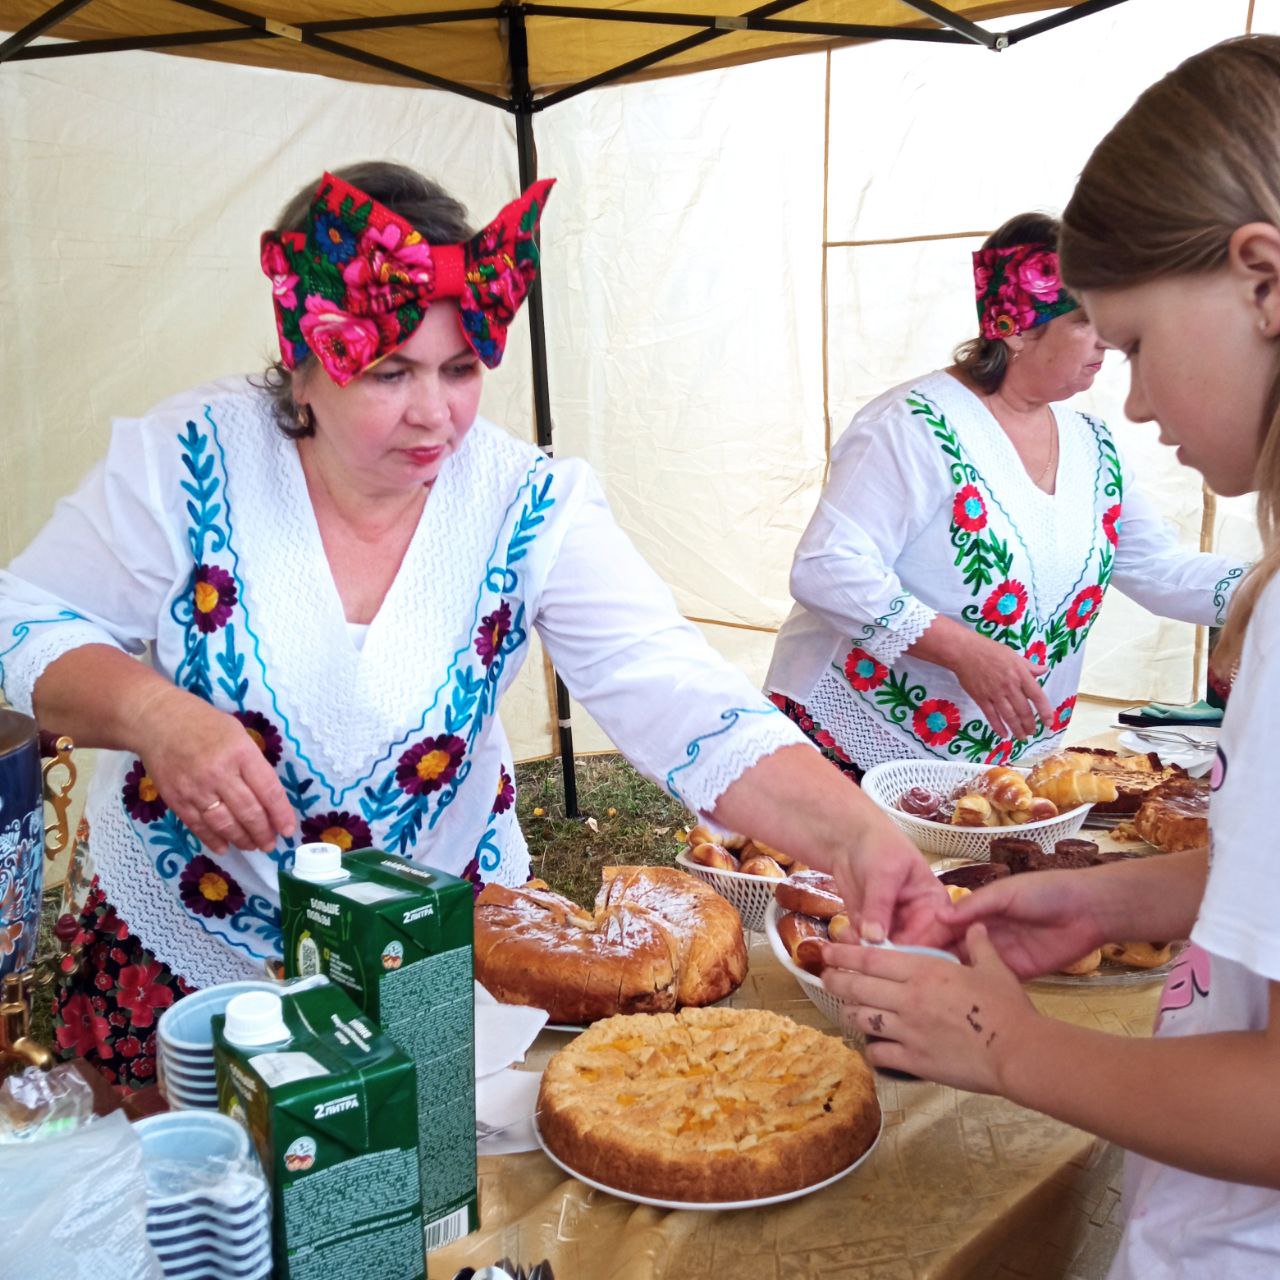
(306,419)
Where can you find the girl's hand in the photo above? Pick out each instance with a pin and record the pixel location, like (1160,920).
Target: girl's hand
(210,772)
(1038,922)
(888,887)
(952,1023)
(1002,682)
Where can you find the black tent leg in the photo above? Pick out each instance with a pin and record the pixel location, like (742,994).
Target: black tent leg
(527,155)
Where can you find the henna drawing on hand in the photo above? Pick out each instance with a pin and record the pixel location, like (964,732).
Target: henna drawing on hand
(876,1023)
(990,1038)
(972,1020)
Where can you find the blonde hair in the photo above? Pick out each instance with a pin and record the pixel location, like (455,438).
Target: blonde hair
(1196,156)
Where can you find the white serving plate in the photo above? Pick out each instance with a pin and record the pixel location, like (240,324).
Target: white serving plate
(702,1205)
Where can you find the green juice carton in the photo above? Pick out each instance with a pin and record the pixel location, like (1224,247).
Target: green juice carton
(331,1104)
(398,938)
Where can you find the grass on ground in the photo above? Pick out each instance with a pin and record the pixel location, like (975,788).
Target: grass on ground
(624,819)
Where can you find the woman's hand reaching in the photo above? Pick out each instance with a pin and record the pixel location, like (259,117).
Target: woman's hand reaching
(210,772)
(1000,680)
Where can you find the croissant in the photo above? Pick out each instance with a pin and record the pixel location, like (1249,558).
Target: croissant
(1006,788)
(713,855)
(1068,789)
(974,811)
(1038,811)
(803,937)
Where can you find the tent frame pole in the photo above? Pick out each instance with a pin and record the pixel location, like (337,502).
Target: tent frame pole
(527,161)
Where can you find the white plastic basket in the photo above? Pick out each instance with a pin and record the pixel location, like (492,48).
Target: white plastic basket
(828,1005)
(749,894)
(884,783)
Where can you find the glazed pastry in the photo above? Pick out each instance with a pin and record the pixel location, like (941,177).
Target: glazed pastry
(1058,779)
(1176,816)
(955,892)
(1006,789)
(840,928)
(1039,810)
(1135,776)
(920,802)
(811,893)
(974,811)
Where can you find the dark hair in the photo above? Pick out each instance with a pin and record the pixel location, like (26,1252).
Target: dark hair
(421,202)
(986,360)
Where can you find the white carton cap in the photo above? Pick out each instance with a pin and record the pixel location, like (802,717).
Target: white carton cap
(320,862)
(257,1017)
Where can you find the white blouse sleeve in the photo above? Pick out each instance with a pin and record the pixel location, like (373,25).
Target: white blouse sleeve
(679,712)
(1155,569)
(880,494)
(97,573)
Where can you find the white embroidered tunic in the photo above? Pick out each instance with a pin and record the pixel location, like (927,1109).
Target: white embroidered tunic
(928,510)
(196,538)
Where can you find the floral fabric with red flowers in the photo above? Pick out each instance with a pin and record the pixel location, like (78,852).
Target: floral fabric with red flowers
(1018,288)
(355,284)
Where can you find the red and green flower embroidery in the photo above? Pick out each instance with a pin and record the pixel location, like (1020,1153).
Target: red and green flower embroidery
(936,722)
(1006,604)
(969,512)
(1111,524)
(1081,611)
(863,671)
(347,830)
(1002,610)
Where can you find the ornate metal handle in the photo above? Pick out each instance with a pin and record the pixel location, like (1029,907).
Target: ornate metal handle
(58,796)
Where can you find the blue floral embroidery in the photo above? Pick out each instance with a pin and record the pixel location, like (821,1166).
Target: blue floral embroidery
(694,749)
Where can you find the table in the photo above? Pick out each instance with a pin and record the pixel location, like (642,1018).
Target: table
(961,1185)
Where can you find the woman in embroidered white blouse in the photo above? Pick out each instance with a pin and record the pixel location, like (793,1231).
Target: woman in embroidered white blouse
(967,532)
(337,575)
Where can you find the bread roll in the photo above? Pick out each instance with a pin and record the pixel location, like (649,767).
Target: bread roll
(803,937)
(713,855)
(1006,789)
(974,811)
(762,865)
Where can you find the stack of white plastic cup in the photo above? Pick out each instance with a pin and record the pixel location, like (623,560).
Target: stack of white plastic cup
(185,1038)
(208,1207)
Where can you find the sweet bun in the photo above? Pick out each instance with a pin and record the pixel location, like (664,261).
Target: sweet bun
(812,893)
(956,891)
(762,865)
(713,855)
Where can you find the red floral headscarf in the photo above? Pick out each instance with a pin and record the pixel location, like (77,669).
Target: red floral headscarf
(354,284)
(1018,288)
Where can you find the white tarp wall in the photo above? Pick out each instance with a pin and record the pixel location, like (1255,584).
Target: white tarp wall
(692,358)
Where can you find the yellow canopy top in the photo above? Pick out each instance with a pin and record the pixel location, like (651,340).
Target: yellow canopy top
(469,46)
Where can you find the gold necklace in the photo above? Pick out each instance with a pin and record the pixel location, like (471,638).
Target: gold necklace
(1053,452)
(990,398)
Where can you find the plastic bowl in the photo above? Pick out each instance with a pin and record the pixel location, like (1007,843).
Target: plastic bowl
(750,895)
(831,1007)
(187,1026)
(884,783)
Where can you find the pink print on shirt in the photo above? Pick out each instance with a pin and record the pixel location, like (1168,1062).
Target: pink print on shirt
(1188,979)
